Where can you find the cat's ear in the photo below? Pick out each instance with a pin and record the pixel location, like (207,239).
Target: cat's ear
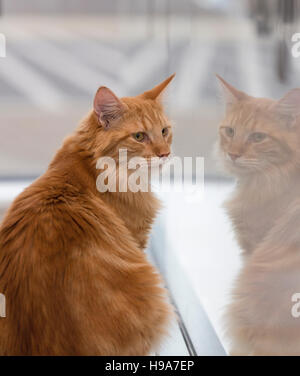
(289,105)
(230,93)
(107,106)
(156,92)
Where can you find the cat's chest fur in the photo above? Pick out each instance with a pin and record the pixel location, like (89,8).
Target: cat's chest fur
(251,222)
(254,211)
(137,211)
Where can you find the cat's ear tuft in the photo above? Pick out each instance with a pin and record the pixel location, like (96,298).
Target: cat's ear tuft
(107,106)
(156,92)
(230,93)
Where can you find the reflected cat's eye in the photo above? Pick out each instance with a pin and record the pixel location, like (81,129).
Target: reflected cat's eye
(229,131)
(139,136)
(165,132)
(257,136)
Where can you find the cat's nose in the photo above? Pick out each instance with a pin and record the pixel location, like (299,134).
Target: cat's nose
(165,155)
(234,156)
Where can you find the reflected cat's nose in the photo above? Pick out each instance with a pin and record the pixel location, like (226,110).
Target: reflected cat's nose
(165,155)
(234,156)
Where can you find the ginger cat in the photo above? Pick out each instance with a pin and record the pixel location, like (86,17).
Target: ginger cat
(259,143)
(72,266)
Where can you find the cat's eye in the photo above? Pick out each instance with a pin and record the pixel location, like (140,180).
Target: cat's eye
(165,132)
(139,136)
(257,136)
(229,131)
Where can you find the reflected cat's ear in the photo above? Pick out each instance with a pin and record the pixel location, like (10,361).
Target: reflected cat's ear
(107,106)
(230,93)
(289,105)
(287,109)
(156,92)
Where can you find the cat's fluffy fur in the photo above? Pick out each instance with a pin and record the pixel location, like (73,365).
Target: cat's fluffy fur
(265,211)
(72,266)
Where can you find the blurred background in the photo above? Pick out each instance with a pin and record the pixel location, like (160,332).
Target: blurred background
(59,52)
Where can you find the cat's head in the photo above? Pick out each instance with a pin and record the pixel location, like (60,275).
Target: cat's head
(137,124)
(258,135)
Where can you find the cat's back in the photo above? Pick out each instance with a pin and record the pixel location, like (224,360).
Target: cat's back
(54,218)
(45,209)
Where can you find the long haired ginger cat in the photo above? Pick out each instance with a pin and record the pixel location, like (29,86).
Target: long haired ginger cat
(259,143)
(72,266)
